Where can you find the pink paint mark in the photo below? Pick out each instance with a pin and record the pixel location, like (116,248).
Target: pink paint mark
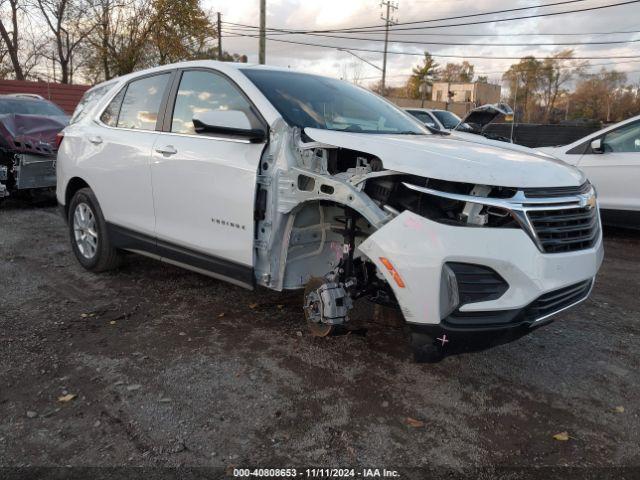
(413,223)
(337,249)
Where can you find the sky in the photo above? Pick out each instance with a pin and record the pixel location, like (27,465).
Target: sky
(330,14)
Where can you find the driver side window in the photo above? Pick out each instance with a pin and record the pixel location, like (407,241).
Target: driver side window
(623,139)
(201,91)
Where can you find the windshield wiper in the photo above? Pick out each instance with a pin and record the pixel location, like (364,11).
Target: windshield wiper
(437,131)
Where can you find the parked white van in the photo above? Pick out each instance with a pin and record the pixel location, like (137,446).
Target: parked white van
(267,177)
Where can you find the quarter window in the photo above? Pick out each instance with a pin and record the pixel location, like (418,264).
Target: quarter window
(89,99)
(202,91)
(141,103)
(624,139)
(110,114)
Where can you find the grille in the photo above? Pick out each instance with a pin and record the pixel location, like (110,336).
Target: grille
(557,300)
(555,192)
(567,229)
(477,283)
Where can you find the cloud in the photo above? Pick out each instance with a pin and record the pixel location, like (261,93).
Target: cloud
(306,14)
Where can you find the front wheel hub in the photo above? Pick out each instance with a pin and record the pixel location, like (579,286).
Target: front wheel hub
(326,304)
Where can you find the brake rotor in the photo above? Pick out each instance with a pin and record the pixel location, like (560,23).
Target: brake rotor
(312,313)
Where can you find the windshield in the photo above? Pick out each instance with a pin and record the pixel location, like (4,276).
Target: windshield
(448,119)
(318,102)
(29,107)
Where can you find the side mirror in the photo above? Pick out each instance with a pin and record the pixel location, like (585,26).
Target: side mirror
(431,125)
(227,122)
(596,146)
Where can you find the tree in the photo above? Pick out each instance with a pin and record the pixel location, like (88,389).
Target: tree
(11,37)
(457,72)
(352,72)
(601,96)
(144,33)
(181,30)
(482,79)
(67,22)
(523,80)
(553,75)
(428,68)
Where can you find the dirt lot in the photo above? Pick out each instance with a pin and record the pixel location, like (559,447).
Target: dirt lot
(173,368)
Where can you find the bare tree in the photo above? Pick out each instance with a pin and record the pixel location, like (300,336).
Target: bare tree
(352,72)
(67,22)
(11,37)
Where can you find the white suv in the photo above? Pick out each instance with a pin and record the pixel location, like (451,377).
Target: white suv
(267,177)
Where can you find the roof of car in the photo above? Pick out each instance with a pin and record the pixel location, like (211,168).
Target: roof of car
(222,66)
(23,96)
(418,109)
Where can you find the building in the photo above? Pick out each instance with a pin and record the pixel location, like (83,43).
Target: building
(474,92)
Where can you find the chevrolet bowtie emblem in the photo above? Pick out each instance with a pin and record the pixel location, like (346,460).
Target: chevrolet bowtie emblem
(589,203)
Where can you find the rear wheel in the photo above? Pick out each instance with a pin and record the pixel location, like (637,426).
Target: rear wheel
(88,233)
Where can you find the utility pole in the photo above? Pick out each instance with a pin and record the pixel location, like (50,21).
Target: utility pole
(263,39)
(390,6)
(219,37)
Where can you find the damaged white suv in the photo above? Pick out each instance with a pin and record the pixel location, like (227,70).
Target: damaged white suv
(267,177)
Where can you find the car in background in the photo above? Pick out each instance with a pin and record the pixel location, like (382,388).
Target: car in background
(436,119)
(472,128)
(29,125)
(474,123)
(610,158)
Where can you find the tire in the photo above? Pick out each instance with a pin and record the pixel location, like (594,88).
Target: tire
(88,233)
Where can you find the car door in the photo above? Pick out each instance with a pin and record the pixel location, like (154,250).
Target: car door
(204,184)
(615,171)
(120,145)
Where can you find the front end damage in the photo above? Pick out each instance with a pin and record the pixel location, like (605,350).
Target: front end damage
(27,152)
(461,261)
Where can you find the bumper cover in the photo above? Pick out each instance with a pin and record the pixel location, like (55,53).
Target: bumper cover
(418,249)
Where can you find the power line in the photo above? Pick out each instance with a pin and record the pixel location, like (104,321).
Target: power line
(478,22)
(409,42)
(495,12)
(250,28)
(420,54)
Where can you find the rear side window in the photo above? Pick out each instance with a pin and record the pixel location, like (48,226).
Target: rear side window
(201,91)
(141,102)
(88,100)
(422,116)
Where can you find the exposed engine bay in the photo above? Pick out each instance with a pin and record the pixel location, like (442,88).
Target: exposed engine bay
(316,204)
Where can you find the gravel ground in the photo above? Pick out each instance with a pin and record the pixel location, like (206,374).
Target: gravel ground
(167,367)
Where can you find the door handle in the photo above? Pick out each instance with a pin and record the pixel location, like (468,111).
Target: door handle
(95,140)
(167,150)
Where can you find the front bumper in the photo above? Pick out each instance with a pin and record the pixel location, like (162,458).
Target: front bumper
(418,248)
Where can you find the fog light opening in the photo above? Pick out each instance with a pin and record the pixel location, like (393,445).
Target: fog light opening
(449,295)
